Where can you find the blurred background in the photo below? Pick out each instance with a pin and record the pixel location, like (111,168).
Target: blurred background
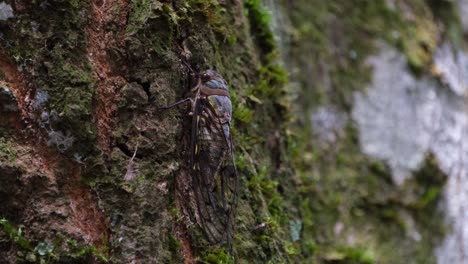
(384,87)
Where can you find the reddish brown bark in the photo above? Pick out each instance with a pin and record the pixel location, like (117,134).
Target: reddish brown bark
(108,83)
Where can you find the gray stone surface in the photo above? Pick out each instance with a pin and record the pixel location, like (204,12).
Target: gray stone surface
(452,66)
(6,11)
(391,116)
(401,118)
(463,7)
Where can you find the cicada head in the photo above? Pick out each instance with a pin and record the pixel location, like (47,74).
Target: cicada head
(213,80)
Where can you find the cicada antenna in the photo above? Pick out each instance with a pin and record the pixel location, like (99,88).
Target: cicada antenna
(194,74)
(189,67)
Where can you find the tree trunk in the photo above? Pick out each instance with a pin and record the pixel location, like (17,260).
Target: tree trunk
(93,171)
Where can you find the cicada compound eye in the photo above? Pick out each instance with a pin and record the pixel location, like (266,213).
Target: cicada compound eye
(205,77)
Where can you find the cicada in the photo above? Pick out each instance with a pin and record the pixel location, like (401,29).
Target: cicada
(211,162)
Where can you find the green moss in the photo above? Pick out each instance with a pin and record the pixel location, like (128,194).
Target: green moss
(355,255)
(145,22)
(431,195)
(75,3)
(175,248)
(76,252)
(56,252)
(263,108)
(259,19)
(273,79)
(15,234)
(146,13)
(217,256)
(292,249)
(242,112)
(8,152)
(214,14)
(419,42)
(174,244)
(77,98)
(141,12)
(355,192)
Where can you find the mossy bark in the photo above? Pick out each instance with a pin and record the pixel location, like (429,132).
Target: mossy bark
(91,169)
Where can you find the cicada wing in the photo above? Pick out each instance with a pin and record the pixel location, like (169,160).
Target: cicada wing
(215,179)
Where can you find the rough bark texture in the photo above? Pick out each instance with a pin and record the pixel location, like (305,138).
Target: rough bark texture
(92,171)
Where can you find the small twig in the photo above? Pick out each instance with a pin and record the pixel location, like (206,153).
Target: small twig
(135,152)
(189,67)
(176,104)
(131,170)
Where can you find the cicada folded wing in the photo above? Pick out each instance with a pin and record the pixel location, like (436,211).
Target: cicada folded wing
(214,175)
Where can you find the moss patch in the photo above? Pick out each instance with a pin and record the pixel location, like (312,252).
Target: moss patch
(57,252)
(7,151)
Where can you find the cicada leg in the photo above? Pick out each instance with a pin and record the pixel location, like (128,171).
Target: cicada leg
(176,103)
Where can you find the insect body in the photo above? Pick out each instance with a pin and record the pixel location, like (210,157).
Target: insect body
(213,172)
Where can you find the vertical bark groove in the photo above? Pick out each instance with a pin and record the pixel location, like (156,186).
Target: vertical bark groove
(107,82)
